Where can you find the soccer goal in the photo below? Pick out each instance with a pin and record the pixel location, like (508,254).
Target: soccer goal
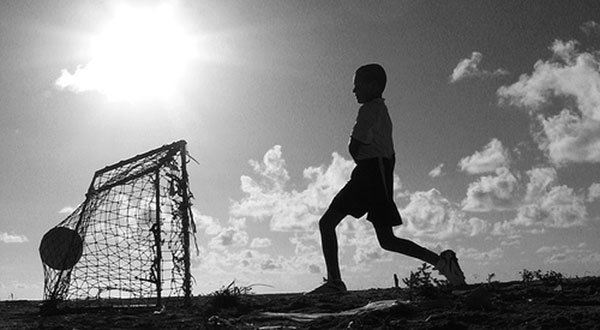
(129,241)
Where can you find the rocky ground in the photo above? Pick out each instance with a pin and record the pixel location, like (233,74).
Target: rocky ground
(532,304)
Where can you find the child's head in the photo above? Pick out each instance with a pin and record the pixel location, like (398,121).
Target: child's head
(369,82)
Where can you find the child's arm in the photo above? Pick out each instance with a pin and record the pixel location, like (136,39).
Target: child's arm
(362,133)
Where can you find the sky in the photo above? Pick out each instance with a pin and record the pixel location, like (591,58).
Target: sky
(495,105)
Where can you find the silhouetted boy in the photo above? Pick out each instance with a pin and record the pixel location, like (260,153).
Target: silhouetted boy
(370,188)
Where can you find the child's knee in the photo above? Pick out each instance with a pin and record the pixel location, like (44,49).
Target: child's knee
(330,220)
(386,243)
(386,239)
(326,224)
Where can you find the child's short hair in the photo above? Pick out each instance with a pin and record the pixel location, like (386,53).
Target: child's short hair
(373,73)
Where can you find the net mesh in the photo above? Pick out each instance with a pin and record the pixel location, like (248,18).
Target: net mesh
(135,224)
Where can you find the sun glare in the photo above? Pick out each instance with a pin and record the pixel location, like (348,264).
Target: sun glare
(140,56)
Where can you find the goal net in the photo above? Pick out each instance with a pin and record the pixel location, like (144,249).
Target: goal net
(130,239)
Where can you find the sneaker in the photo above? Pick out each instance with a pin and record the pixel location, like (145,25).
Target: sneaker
(329,287)
(448,266)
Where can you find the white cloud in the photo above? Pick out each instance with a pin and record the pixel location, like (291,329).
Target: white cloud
(430,214)
(269,198)
(590,28)
(469,68)
(66,210)
(545,205)
(571,138)
(370,253)
(483,257)
(270,264)
(363,237)
(548,204)
(559,207)
(210,225)
(437,171)
(510,242)
(492,193)
(475,226)
(593,192)
(488,160)
(12,238)
(561,254)
(229,237)
(564,50)
(306,243)
(573,135)
(540,182)
(260,242)
(314,269)
(272,169)
(546,249)
(506,228)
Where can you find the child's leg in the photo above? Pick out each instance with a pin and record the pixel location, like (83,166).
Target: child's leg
(389,241)
(327,225)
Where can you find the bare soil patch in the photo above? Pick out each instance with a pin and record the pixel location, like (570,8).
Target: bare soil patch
(572,304)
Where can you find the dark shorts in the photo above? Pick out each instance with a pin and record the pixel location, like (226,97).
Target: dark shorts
(370,191)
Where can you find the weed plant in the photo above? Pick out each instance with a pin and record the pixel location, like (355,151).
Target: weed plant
(229,296)
(548,278)
(422,283)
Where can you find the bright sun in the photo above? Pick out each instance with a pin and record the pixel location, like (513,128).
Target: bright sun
(141,55)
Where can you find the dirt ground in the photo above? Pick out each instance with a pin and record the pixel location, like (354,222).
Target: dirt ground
(572,304)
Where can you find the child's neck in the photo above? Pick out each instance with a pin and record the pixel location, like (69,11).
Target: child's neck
(373,98)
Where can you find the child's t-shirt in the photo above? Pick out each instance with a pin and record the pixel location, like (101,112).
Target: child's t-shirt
(373,128)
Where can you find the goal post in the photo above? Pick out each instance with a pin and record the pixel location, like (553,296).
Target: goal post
(129,241)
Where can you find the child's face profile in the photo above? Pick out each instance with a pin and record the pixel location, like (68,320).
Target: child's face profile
(364,91)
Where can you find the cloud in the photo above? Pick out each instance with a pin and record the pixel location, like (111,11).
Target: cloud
(540,182)
(430,214)
(314,269)
(469,68)
(369,253)
(565,253)
(272,169)
(229,237)
(550,205)
(590,28)
(437,171)
(306,243)
(571,138)
(560,207)
(210,225)
(82,79)
(66,210)
(270,264)
(244,260)
(506,228)
(545,205)
(492,157)
(492,193)
(12,238)
(572,77)
(483,257)
(259,242)
(564,50)
(363,238)
(593,192)
(268,196)
(546,249)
